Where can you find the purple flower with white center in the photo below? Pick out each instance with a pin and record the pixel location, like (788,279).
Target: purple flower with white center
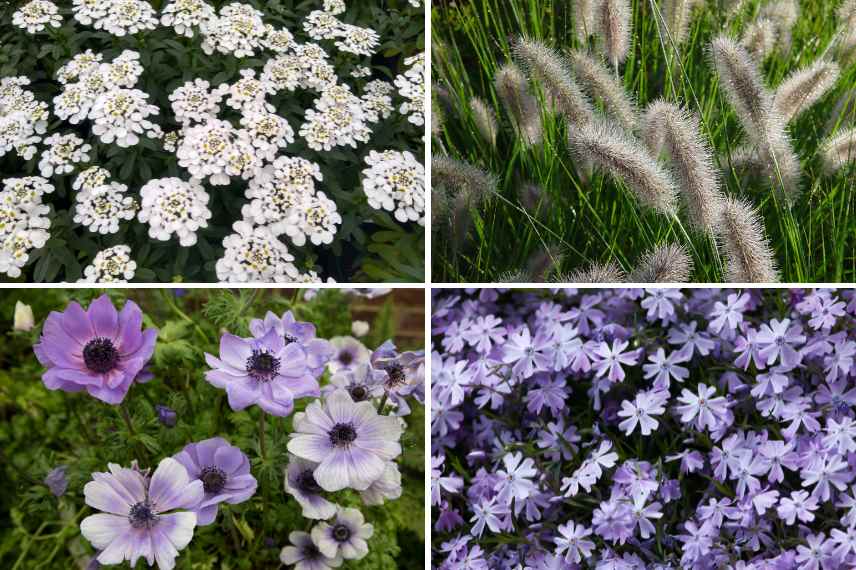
(817,554)
(640,412)
(611,358)
(663,368)
(350,442)
(526,353)
(550,392)
(840,362)
(363,383)
(348,353)
(224,471)
(798,506)
(660,303)
(826,313)
(778,341)
(264,371)
(305,554)
(345,536)
(690,339)
(571,542)
(56,481)
(488,513)
(728,315)
(450,376)
(300,483)
(405,374)
(141,517)
(484,332)
(318,351)
(516,479)
(442,483)
(98,350)
(706,409)
(830,471)
(642,515)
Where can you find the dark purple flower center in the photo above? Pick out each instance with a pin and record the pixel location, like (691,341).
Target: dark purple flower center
(346,357)
(395,375)
(358,393)
(262,365)
(341,532)
(141,515)
(307,484)
(310,552)
(213,479)
(343,435)
(100,355)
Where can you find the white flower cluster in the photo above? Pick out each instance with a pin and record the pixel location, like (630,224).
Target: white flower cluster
(117,17)
(307,67)
(24,221)
(35,15)
(238,30)
(63,152)
(103,94)
(411,86)
(323,25)
(185,15)
(377,103)
(255,255)
(284,199)
(173,206)
(101,208)
(338,119)
(395,182)
(216,150)
(22,118)
(111,265)
(195,101)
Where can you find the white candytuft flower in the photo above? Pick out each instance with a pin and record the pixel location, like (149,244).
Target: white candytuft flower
(255,255)
(307,68)
(204,150)
(63,152)
(111,265)
(322,25)
(173,206)
(23,221)
(186,15)
(117,17)
(334,6)
(102,208)
(267,131)
(238,30)
(338,119)
(316,219)
(249,91)
(278,40)
(395,182)
(36,15)
(79,65)
(411,86)
(91,178)
(279,191)
(377,103)
(357,40)
(195,101)
(120,115)
(22,119)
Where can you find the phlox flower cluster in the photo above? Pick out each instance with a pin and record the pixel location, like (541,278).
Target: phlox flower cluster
(24,221)
(643,429)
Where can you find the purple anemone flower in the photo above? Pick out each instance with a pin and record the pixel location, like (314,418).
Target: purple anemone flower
(318,351)
(348,353)
(98,350)
(300,483)
(362,383)
(225,474)
(387,486)
(405,375)
(137,522)
(264,371)
(346,536)
(304,554)
(349,440)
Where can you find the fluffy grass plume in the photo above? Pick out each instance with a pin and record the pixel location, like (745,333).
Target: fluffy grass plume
(608,146)
(844,113)
(583,13)
(601,84)
(608,272)
(669,263)
(759,38)
(839,150)
(519,103)
(804,87)
(485,120)
(612,25)
(666,126)
(457,186)
(749,258)
(546,66)
(677,16)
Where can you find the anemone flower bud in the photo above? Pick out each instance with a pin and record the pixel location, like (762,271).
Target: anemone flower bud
(57,481)
(24,320)
(166,415)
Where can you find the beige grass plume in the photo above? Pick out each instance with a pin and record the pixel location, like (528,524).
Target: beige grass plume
(804,87)
(613,28)
(513,90)
(546,66)
(669,263)
(608,272)
(608,146)
(677,16)
(583,19)
(844,113)
(665,126)
(485,119)
(759,38)
(749,258)
(839,150)
(600,83)
(457,186)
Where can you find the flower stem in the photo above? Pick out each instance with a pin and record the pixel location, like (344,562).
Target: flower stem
(262,448)
(382,403)
(123,409)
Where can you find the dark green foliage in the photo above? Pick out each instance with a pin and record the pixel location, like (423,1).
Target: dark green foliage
(40,429)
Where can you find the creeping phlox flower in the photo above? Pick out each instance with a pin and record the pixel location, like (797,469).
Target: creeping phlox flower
(173,206)
(411,86)
(224,471)
(111,265)
(395,182)
(102,208)
(24,221)
(63,152)
(36,15)
(100,350)
(645,429)
(144,517)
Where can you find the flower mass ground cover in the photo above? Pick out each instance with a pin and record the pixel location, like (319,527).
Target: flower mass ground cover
(643,429)
(198,141)
(182,431)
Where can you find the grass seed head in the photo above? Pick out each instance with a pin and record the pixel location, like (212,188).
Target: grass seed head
(608,272)
(677,15)
(741,81)
(598,82)
(669,263)
(608,146)
(759,38)
(485,120)
(839,150)
(519,103)
(804,87)
(613,28)
(749,258)
(584,19)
